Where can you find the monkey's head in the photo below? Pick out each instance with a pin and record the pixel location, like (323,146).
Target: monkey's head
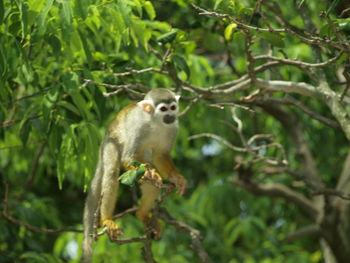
(162,104)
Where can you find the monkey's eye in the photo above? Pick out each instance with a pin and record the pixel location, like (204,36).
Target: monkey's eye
(163,108)
(173,107)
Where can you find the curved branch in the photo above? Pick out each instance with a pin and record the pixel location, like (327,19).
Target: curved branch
(194,234)
(280,191)
(299,63)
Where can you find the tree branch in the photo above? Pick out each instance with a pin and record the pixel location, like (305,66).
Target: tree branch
(280,191)
(194,234)
(307,231)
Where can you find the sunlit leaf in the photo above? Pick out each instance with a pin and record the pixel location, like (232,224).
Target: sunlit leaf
(228,30)
(149,9)
(167,37)
(182,64)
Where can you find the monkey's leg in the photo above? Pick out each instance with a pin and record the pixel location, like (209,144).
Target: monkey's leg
(148,198)
(110,186)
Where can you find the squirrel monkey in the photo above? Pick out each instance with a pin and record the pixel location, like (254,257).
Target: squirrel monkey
(144,132)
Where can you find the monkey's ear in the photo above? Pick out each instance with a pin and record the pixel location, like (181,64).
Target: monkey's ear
(177,97)
(146,106)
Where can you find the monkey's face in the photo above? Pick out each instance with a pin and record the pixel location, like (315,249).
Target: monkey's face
(166,112)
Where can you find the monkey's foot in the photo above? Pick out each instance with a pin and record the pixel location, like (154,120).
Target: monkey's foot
(152,177)
(153,228)
(112,228)
(179,181)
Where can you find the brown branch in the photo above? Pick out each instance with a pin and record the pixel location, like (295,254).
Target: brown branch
(124,241)
(292,125)
(141,71)
(130,89)
(315,190)
(194,234)
(307,231)
(289,100)
(220,139)
(127,211)
(336,31)
(313,40)
(279,191)
(7,124)
(146,252)
(344,179)
(35,165)
(250,57)
(189,106)
(299,63)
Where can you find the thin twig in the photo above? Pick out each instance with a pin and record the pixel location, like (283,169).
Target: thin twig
(125,212)
(299,63)
(35,165)
(141,71)
(189,106)
(194,234)
(314,40)
(220,139)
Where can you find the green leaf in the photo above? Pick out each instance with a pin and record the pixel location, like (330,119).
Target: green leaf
(55,44)
(217,3)
(2,11)
(24,18)
(149,9)
(332,6)
(182,64)
(130,177)
(81,104)
(42,18)
(80,8)
(69,106)
(66,20)
(24,130)
(273,38)
(167,37)
(139,33)
(85,46)
(342,59)
(3,63)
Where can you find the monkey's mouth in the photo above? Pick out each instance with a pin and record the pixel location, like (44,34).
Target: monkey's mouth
(168,119)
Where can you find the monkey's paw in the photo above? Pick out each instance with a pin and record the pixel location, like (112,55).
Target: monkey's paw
(152,177)
(153,229)
(179,181)
(112,229)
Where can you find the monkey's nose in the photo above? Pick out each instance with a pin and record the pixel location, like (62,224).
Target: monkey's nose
(168,119)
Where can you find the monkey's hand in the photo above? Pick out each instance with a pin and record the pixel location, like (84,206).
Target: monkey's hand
(153,229)
(151,176)
(112,228)
(179,181)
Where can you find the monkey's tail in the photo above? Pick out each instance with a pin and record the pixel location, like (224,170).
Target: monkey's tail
(90,208)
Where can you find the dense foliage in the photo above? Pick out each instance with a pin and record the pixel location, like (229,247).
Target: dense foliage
(66,68)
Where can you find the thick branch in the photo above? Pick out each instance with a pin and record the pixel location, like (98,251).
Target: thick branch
(280,191)
(307,231)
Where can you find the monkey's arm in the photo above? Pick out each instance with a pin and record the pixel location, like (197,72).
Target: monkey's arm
(165,166)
